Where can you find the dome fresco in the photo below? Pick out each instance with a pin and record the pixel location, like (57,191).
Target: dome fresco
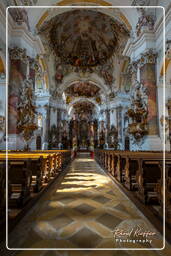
(84,37)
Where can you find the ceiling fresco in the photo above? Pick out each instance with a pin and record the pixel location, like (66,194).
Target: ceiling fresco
(82,89)
(84,37)
(82,41)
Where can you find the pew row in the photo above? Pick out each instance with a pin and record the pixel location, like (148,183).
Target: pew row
(29,172)
(2,189)
(142,173)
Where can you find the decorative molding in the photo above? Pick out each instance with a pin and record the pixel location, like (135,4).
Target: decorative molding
(138,112)
(2,123)
(29,2)
(148,57)
(132,68)
(168,50)
(140,2)
(146,40)
(27,114)
(146,21)
(164,121)
(20,16)
(17,53)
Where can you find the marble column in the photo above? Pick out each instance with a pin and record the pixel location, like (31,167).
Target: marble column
(169,120)
(59,125)
(46,127)
(147,64)
(113,120)
(107,124)
(2,111)
(18,73)
(119,124)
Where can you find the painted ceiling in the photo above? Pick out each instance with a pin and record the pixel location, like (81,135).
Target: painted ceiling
(83,38)
(83,89)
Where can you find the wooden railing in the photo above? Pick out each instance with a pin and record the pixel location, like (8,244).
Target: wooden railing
(29,172)
(142,172)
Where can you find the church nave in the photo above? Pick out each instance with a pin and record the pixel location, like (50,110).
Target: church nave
(85,127)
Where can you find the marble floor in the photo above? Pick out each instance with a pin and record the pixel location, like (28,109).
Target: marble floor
(85,209)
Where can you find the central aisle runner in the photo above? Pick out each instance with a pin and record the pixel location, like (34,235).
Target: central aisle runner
(82,211)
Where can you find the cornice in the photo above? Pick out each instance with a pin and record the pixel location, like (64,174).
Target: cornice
(34,42)
(23,33)
(132,49)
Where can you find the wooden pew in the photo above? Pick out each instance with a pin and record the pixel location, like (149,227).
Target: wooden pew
(141,171)
(148,176)
(120,168)
(37,166)
(116,166)
(167,191)
(136,170)
(64,156)
(37,169)
(43,165)
(19,179)
(2,188)
(128,168)
(111,163)
(29,171)
(53,161)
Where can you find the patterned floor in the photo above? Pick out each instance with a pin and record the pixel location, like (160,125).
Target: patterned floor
(83,210)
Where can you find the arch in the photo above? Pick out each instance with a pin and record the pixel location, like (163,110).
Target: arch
(124,15)
(94,78)
(48,14)
(164,66)
(124,71)
(68,84)
(2,64)
(44,68)
(168,72)
(83,99)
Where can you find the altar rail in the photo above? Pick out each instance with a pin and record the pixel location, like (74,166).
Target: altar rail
(28,173)
(142,172)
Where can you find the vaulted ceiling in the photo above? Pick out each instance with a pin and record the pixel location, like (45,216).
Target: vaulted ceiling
(83,42)
(84,38)
(82,89)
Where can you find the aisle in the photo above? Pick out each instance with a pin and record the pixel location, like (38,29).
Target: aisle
(82,211)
